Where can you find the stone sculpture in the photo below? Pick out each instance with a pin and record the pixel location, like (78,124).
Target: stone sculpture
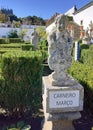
(34,39)
(60,48)
(62,95)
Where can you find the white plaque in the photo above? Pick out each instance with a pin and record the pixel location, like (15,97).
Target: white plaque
(63,99)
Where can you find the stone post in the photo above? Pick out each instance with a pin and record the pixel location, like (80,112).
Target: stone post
(62,95)
(77,51)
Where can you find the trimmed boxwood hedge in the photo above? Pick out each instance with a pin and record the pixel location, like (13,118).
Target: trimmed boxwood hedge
(10,40)
(15,40)
(21,85)
(27,47)
(83,72)
(4,40)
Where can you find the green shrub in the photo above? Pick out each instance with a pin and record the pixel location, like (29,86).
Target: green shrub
(80,40)
(43,45)
(22,72)
(13,34)
(14,40)
(84,46)
(84,74)
(91,47)
(4,40)
(27,47)
(44,55)
(87,57)
(12,45)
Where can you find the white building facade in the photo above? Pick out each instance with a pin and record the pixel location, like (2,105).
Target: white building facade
(83,16)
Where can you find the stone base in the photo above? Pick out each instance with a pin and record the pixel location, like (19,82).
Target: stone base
(58,125)
(49,102)
(60,117)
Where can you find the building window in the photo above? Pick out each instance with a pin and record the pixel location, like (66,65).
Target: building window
(81,22)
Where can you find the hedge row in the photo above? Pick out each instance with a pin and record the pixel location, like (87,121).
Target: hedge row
(83,72)
(10,40)
(12,45)
(87,55)
(27,47)
(20,87)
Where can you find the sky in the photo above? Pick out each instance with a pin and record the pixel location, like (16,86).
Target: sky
(41,8)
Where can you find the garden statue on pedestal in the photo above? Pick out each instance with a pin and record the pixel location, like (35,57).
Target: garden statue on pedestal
(60,48)
(62,95)
(34,39)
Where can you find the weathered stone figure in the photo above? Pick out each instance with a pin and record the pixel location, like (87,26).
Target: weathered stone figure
(60,47)
(62,95)
(34,39)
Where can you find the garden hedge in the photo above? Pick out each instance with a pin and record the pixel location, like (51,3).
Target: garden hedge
(27,47)
(4,40)
(15,40)
(21,84)
(10,40)
(83,72)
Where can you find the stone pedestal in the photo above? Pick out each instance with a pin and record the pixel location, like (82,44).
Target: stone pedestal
(61,104)
(58,125)
(62,125)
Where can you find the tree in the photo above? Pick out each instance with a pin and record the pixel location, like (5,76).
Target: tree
(23,33)
(33,20)
(13,34)
(3,18)
(41,33)
(16,24)
(13,17)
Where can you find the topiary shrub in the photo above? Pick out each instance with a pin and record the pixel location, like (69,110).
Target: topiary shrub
(22,73)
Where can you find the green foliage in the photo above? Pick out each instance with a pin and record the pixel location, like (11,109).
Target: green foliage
(27,47)
(70,18)
(9,40)
(33,20)
(14,40)
(16,24)
(21,87)
(44,55)
(27,127)
(84,74)
(87,56)
(6,11)
(13,129)
(43,46)
(41,33)
(91,47)
(13,17)
(12,45)
(80,40)
(23,33)
(84,46)
(13,34)
(4,40)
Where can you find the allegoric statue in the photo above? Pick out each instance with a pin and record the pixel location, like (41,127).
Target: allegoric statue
(60,48)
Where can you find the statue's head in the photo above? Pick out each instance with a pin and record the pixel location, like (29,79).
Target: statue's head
(61,22)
